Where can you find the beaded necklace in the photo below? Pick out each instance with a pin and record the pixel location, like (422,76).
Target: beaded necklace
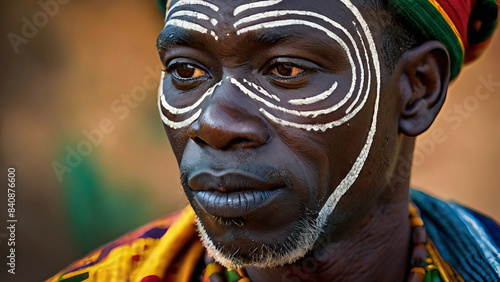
(426,264)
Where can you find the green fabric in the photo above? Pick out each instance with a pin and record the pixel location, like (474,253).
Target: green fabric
(487,12)
(432,25)
(163,5)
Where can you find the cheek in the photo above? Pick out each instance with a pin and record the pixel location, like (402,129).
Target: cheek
(309,160)
(178,139)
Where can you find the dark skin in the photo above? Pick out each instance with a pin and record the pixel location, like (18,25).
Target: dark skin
(233,147)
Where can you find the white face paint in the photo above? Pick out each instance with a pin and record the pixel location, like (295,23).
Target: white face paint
(254,5)
(185,24)
(353,102)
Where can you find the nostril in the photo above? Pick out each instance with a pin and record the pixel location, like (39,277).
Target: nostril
(241,143)
(199,141)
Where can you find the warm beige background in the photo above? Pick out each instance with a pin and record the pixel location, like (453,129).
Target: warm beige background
(90,53)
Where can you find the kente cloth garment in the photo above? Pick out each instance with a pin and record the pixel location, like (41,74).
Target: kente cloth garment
(169,249)
(463,26)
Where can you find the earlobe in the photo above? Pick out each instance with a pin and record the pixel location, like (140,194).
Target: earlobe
(423,83)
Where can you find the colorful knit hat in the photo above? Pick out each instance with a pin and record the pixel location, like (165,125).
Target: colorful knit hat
(463,26)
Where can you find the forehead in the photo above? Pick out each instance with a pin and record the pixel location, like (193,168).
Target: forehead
(230,17)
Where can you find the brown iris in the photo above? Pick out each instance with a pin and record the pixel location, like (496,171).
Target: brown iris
(286,69)
(186,71)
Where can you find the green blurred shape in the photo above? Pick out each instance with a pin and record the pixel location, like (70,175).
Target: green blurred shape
(99,211)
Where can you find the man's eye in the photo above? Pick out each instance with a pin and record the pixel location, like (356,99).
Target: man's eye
(286,70)
(188,71)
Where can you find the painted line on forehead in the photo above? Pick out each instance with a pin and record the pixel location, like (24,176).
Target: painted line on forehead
(186,25)
(368,87)
(193,14)
(278,23)
(254,5)
(180,124)
(178,111)
(262,90)
(190,26)
(353,174)
(279,13)
(314,99)
(191,2)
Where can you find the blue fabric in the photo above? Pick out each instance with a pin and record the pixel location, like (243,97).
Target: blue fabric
(465,239)
(491,225)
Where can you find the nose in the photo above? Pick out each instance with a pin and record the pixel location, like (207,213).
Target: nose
(225,124)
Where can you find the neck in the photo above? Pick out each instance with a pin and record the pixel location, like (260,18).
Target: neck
(377,248)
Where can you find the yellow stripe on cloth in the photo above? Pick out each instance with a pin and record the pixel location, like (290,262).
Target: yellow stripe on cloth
(176,252)
(171,244)
(449,21)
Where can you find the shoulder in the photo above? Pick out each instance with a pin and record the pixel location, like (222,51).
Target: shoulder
(137,254)
(466,239)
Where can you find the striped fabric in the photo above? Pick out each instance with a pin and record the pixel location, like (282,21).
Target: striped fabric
(169,249)
(463,26)
(465,239)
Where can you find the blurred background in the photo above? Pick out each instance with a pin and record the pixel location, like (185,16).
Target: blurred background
(79,123)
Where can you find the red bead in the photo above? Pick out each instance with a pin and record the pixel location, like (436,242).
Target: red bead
(419,235)
(419,255)
(151,278)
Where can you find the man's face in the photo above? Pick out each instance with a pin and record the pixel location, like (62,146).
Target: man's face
(271,108)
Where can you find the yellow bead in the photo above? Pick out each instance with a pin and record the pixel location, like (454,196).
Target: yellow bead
(416,221)
(213,268)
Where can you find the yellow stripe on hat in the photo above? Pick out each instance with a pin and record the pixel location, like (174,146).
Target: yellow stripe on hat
(449,21)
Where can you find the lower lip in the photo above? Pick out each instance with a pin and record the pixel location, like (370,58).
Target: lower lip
(234,204)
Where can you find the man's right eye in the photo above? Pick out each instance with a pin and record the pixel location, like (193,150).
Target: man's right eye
(187,72)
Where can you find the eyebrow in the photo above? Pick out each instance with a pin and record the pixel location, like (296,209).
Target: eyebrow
(269,36)
(173,36)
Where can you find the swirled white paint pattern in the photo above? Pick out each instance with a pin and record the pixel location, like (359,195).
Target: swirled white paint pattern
(346,183)
(254,5)
(368,71)
(353,174)
(279,13)
(330,34)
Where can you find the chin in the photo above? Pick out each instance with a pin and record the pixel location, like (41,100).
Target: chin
(299,241)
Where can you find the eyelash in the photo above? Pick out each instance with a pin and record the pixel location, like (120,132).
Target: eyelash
(287,78)
(171,67)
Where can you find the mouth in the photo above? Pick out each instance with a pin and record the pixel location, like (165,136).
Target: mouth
(232,195)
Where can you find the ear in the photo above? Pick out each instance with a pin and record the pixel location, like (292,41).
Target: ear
(423,83)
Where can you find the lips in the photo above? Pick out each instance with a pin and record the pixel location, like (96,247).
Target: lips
(231,195)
